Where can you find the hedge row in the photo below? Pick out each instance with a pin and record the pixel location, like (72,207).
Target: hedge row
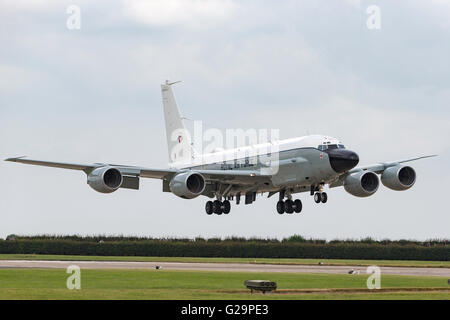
(228,249)
(294,238)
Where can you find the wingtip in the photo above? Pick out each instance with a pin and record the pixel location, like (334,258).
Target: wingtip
(14,159)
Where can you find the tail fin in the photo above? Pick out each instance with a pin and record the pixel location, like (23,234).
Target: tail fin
(178,138)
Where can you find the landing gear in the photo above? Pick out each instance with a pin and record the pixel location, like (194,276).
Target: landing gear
(280,207)
(209,208)
(317,197)
(289,206)
(226,207)
(298,206)
(320,197)
(217,207)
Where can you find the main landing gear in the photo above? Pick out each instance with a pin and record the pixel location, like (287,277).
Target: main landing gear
(218,207)
(289,206)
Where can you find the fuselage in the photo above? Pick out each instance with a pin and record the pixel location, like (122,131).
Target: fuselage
(297,162)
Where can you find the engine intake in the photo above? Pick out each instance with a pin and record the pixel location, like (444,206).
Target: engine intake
(399,177)
(105,179)
(361,184)
(187,185)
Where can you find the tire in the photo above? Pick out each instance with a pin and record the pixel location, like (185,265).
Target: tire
(324,197)
(217,207)
(209,208)
(280,207)
(289,206)
(298,206)
(226,207)
(317,197)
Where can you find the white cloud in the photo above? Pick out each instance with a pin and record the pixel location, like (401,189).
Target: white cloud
(200,13)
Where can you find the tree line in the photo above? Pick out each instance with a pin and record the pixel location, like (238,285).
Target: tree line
(292,247)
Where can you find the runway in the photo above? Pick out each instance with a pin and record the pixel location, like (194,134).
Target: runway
(228,267)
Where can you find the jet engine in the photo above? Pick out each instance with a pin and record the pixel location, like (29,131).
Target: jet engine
(187,185)
(399,177)
(362,183)
(105,179)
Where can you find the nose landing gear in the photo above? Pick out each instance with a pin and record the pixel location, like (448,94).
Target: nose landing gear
(320,197)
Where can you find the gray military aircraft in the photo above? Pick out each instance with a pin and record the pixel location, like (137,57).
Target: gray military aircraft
(286,167)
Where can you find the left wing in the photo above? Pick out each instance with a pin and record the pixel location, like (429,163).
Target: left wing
(380,167)
(377,168)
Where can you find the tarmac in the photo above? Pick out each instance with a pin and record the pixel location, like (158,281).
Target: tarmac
(228,267)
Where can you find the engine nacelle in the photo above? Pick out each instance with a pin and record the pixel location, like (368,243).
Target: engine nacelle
(105,179)
(361,184)
(187,185)
(399,177)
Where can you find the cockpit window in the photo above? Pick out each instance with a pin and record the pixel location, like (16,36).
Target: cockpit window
(332,146)
(324,146)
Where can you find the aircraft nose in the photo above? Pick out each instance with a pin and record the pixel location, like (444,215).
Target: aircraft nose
(342,160)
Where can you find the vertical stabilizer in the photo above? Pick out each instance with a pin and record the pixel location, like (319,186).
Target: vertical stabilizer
(178,138)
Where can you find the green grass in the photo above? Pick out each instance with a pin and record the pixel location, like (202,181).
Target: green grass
(331,262)
(165,284)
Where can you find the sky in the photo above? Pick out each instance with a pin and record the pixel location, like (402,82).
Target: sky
(92,94)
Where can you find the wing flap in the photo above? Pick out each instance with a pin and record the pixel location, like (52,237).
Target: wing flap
(234,176)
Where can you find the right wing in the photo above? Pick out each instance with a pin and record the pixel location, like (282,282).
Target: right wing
(73,166)
(87,168)
(222,176)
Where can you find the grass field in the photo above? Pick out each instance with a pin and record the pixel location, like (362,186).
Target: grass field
(164,284)
(331,262)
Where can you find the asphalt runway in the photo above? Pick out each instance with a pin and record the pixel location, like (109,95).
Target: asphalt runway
(229,267)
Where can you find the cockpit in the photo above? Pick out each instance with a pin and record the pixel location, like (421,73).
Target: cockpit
(330,146)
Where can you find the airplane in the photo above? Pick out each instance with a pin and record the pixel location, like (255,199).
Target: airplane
(302,164)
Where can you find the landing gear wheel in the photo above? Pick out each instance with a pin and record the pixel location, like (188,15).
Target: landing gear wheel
(289,206)
(317,197)
(209,208)
(280,207)
(226,207)
(217,207)
(298,206)
(324,197)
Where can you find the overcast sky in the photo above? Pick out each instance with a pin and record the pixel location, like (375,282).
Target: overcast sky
(93,95)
